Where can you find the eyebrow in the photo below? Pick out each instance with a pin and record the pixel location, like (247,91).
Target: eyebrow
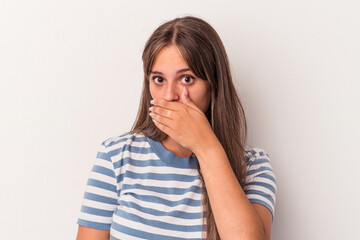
(179,71)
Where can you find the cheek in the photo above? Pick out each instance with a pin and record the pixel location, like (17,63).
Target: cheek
(206,102)
(202,99)
(153,90)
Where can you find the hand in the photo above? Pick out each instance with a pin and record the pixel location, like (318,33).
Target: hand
(183,122)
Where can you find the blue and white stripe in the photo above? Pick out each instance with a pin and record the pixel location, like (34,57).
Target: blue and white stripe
(139,190)
(260,184)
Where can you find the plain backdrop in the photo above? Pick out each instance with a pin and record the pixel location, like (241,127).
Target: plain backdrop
(71,77)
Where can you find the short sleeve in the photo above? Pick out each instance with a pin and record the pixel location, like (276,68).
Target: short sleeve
(260,186)
(100,197)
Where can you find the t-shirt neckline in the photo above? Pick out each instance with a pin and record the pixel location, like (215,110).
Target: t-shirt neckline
(171,158)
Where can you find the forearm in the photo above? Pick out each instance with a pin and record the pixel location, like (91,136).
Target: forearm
(234,215)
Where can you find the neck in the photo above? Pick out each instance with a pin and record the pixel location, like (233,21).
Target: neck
(173,146)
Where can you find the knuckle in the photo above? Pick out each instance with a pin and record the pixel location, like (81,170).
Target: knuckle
(183,111)
(156,109)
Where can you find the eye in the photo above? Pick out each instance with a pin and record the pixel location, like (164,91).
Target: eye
(187,79)
(157,80)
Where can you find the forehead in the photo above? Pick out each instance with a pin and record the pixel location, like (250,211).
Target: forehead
(169,58)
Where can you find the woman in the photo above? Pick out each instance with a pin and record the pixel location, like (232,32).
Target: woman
(182,172)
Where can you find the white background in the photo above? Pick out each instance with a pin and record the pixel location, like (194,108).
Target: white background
(71,77)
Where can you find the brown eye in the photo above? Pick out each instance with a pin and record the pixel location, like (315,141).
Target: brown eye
(187,79)
(158,80)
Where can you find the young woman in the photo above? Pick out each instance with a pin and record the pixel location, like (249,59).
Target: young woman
(182,172)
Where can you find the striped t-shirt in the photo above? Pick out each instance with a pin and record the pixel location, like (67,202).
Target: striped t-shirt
(137,189)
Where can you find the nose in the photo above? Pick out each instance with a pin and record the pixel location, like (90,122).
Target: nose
(172,91)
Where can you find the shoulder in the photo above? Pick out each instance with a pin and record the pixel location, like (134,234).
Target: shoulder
(260,185)
(128,141)
(124,138)
(256,156)
(258,163)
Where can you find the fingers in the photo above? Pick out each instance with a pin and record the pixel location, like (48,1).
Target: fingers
(166,108)
(162,126)
(166,104)
(162,111)
(164,123)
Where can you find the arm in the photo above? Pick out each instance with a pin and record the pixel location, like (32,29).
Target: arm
(86,233)
(235,216)
(265,217)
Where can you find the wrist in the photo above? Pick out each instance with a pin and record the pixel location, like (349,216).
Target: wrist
(212,157)
(207,146)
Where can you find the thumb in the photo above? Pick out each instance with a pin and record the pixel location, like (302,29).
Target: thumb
(188,101)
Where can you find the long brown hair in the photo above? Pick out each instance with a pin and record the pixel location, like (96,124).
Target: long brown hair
(204,53)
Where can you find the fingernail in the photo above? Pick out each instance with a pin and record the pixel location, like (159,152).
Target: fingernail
(185,92)
(152,101)
(151,108)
